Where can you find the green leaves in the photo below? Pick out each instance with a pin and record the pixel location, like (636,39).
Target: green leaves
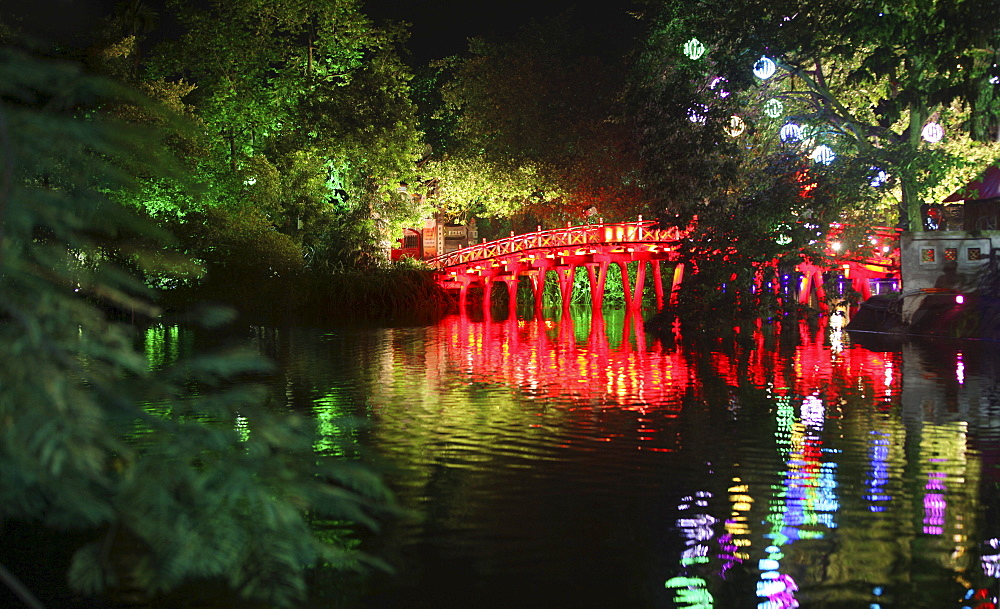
(870,75)
(174,471)
(534,128)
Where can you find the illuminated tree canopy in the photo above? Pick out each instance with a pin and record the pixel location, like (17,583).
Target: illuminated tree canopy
(540,112)
(305,115)
(867,78)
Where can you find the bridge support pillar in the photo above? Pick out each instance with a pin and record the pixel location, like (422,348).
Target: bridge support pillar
(598,274)
(538,285)
(640,283)
(463,297)
(511,296)
(634,300)
(676,283)
(566,275)
(464,281)
(812,281)
(859,276)
(626,288)
(657,283)
(487,297)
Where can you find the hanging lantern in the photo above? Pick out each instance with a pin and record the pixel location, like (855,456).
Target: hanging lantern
(764,68)
(697,113)
(932,132)
(783,237)
(717,86)
(790,132)
(879,177)
(736,126)
(694,49)
(773,107)
(823,154)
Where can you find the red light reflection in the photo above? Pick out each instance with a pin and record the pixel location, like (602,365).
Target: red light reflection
(545,358)
(558,360)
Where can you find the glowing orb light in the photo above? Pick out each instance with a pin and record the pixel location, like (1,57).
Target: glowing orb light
(736,126)
(879,177)
(823,154)
(959,299)
(790,132)
(696,113)
(694,48)
(764,68)
(932,132)
(783,237)
(717,84)
(773,108)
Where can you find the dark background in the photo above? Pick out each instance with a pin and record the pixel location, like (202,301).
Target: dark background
(439,28)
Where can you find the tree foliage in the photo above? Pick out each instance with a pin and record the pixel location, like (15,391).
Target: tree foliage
(304,110)
(536,128)
(865,77)
(861,79)
(173,473)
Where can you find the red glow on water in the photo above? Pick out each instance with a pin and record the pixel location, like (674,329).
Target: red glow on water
(551,359)
(567,362)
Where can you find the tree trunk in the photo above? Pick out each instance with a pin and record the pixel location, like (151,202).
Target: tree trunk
(910,217)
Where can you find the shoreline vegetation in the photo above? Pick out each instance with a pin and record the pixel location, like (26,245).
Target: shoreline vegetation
(394,294)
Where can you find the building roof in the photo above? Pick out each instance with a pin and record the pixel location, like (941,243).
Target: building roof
(986,186)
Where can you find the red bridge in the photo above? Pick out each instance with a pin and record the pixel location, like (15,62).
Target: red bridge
(597,246)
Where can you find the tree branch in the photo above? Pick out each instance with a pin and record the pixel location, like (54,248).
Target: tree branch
(20,590)
(847,121)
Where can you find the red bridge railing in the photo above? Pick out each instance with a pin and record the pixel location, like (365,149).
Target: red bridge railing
(588,234)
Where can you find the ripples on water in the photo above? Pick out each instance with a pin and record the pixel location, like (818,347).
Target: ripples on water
(581,463)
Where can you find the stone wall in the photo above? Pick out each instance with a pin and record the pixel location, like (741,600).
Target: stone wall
(943,265)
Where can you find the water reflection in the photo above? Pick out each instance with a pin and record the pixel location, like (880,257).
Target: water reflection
(581,459)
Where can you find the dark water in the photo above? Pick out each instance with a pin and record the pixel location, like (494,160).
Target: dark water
(581,463)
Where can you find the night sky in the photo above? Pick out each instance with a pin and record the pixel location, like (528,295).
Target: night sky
(65,21)
(442,27)
(439,27)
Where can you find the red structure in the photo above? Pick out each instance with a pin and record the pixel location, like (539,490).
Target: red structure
(593,246)
(597,246)
(435,238)
(878,260)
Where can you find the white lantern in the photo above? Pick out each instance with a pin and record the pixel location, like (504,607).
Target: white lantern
(773,107)
(736,126)
(694,48)
(790,132)
(764,68)
(717,85)
(932,132)
(879,177)
(823,154)
(697,113)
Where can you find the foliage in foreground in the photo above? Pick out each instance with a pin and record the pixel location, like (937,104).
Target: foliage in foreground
(174,473)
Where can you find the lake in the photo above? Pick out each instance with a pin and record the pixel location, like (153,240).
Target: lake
(579,462)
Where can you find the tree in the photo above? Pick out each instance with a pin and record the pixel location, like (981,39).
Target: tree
(867,77)
(304,105)
(149,465)
(537,128)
